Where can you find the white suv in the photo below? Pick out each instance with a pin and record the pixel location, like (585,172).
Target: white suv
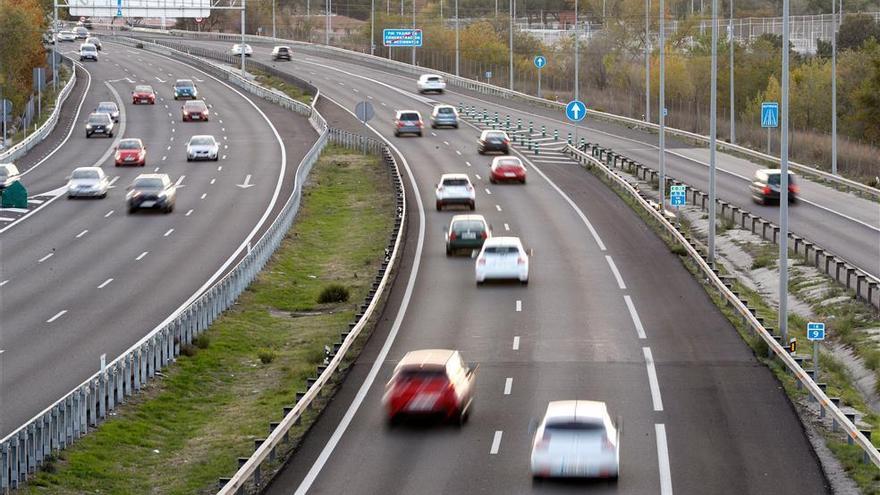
(88,51)
(431,82)
(502,258)
(455,189)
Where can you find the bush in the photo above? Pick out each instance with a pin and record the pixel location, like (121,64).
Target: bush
(266,355)
(333,293)
(188,350)
(201,341)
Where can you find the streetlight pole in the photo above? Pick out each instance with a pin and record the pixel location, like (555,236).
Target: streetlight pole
(713,130)
(273,19)
(243,9)
(577,72)
(457,51)
(372,27)
(732,47)
(833,90)
(783,181)
(647,60)
(662,116)
(327,23)
(414,28)
(54,54)
(510,84)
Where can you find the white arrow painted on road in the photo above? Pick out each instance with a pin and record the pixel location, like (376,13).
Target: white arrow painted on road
(160,80)
(247,184)
(179,182)
(196,79)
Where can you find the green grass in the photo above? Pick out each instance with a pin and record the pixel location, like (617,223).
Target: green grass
(187,429)
(290,90)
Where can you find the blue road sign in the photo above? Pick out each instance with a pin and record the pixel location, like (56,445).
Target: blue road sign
(678,195)
(575,110)
(488,74)
(769,114)
(118,8)
(402,37)
(815,331)
(540,61)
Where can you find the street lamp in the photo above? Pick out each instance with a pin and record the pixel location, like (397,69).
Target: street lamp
(577,72)
(414,28)
(512,14)
(833,90)
(783,180)
(647,61)
(713,130)
(731,44)
(662,117)
(457,51)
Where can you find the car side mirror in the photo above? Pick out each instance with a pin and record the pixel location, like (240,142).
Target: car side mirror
(491,228)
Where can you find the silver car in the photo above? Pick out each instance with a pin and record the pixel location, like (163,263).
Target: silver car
(202,148)
(110,109)
(408,122)
(88,182)
(444,116)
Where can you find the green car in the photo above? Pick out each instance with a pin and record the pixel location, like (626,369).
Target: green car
(466,232)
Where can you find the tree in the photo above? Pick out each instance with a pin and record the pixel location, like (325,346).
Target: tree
(868,98)
(22,24)
(855,30)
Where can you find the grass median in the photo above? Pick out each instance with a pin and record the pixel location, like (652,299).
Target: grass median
(189,427)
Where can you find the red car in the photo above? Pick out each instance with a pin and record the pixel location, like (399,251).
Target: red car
(507,168)
(194,110)
(430,383)
(143,94)
(131,152)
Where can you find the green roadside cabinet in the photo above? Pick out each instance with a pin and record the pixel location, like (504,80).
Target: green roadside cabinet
(14,196)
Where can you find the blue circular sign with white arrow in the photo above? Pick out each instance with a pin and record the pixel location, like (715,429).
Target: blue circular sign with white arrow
(540,61)
(575,110)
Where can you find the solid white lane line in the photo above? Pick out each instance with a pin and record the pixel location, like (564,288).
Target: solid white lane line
(652,379)
(516,343)
(108,213)
(141,256)
(506,227)
(57,315)
(635,317)
(4,283)
(44,258)
(188,213)
(615,272)
(508,384)
(84,232)
(518,305)
(496,443)
(106,283)
(434,134)
(663,460)
(168,233)
(498,207)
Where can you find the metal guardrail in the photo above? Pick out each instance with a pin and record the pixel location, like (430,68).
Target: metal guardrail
(500,92)
(17,150)
(865,285)
(250,473)
(733,301)
(71,417)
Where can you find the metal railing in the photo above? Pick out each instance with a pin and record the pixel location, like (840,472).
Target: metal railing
(19,149)
(846,422)
(71,417)
(492,90)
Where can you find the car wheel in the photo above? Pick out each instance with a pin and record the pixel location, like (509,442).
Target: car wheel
(433,126)
(110,135)
(144,164)
(480,282)
(439,205)
(481,152)
(69,196)
(448,251)
(88,135)
(524,282)
(396,134)
(522,181)
(420,134)
(216,158)
(492,180)
(472,205)
(131,210)
(456,126)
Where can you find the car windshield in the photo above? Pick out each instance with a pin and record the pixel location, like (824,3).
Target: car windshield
(148,183)
(143,89)
(99,118)
(129,144)
(183,84)
(774,178)
(455,182)
(409,116)
(502,250)
(84,174)
(194,106)
(574,426)
(446,110)
(201,141)
(472,225)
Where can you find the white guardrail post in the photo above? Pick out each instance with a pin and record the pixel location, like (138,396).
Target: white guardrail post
(19,149)
(497,91)
(734,302)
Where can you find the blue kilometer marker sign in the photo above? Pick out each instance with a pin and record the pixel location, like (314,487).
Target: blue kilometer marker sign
(815,331)
(575,110)
(769,114)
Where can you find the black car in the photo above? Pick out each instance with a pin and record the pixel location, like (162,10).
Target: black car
(99,123)
(765,186)
(493,141)
(153,191)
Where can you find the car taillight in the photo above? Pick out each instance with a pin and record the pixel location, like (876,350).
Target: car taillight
(507,141)
(606,443)
(520,261)
(141,153)
(481,261)
(419,123)
(794,188)
(399,123)
(766,190)
(118,155)
(470,187)
(440,188)
(452,236)
(205,113)
(484,234)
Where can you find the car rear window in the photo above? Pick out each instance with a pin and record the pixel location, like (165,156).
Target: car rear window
(201,141)
(509,163)
(88,48)
(455,182)
(183,84)
(409,116)
(574,426)
(774,178)
(445,110)
(107,107)
(143,89)
(434,79)
(194,105)
(150,183)
(126,144)
(495,135)
(468,225)
(283,49)
(85,174)
(502,250)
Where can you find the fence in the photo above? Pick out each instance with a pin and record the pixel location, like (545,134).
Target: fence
(826,404)
(69,418)
(18,150)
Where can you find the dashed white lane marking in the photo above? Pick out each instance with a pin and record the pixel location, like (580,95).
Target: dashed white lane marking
(204,195)
(498,207)
(4,283)
(356,90)
(172,138)
(615,272)
(652,380)
(220,167)
(368,96)
(188,213)
(446,143)
(478,176)
(518,305)
(488,191)
(179,181)
(219,120)
(106,283)
(57,315)
(141,256)
(516,343)
(506,227)
(84,232)
(168,232)
(434,134)
(508,384)
(467,163)
(213,181)
(457,152)
(635,316)
(109,213)
(156,169)
(383,104)
(44,258)
(496,443)
(169,147)
(663,460)
(164,158)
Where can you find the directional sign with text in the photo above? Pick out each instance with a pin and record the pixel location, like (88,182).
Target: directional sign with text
(575,110)
(540,61)
(402,37)
(769,114)
(815,331)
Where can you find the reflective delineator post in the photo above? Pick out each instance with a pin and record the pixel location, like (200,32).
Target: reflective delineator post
(543,131)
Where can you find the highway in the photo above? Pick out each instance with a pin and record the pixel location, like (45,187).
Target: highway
(609,314)
(80,278)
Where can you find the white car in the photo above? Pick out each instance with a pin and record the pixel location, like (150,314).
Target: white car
(202,148)
(88,51)
(87,182)
(576,439)
(431,82)
(502,258)
(236,50)
(455,189)
(66,36)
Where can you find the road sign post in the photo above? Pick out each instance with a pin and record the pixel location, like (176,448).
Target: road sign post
(815,334)
(540,62)
(488,76)
(769,118)
(5,114)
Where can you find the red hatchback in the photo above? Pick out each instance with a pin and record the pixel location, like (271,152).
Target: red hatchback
(507,168)
(194,110)
(143,94)
(430,383)
(131,152)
